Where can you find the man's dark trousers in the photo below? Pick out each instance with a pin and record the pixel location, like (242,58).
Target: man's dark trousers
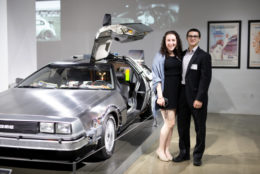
(183,120)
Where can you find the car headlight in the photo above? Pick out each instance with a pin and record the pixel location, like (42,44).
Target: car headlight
(47,127)
(63,128)
(59,128)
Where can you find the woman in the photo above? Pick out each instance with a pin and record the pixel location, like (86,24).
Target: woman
(166,83)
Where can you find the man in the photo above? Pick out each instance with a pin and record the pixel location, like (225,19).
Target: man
(196,77)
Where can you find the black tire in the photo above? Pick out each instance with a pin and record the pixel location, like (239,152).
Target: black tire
(107,141)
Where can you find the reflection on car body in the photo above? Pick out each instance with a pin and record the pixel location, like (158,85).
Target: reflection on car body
(67,109)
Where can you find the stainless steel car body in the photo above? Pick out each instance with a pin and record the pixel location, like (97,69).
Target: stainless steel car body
(78,107)
(24,110)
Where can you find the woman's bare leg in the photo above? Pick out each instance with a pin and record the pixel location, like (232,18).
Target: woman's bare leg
(171,122)
(163,138)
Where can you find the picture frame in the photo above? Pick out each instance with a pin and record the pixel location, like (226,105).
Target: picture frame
(224,43)
(5,171)
(253,51)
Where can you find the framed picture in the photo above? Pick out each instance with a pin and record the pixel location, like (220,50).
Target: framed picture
(224,40)
(253,58)
(5,171)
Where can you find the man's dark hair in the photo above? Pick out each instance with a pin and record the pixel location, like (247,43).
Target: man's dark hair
(194,30)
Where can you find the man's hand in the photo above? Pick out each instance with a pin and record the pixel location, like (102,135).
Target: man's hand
(197,104)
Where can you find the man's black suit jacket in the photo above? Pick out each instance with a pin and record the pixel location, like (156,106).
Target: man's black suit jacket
(198,77)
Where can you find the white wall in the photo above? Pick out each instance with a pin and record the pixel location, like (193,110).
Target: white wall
(22,59)
(231,90)
(3,46)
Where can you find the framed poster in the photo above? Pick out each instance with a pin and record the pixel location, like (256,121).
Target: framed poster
(224,40)
(5,171)
(253,58)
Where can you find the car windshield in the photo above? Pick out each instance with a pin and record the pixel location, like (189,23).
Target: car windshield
(71,77)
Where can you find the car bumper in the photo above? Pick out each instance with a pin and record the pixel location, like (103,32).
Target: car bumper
(35,149)
(90,138)
(44,144)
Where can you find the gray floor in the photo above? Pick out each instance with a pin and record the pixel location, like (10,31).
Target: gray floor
(233,147)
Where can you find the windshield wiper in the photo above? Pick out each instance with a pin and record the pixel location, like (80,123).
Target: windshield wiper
(27,86)
(42,87)
(70,88)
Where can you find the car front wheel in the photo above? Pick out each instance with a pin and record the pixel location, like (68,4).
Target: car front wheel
(107,141)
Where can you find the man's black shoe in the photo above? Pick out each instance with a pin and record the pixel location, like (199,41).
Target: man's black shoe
(197,162)
(181,158)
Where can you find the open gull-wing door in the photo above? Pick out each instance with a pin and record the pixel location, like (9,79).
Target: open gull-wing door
(120,32)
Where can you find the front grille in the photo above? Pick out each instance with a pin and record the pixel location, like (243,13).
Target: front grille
(19,127)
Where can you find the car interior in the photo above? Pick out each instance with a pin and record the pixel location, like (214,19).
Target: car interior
(71,77)
(131,87)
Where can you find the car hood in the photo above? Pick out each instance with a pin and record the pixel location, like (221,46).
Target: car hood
(50,102)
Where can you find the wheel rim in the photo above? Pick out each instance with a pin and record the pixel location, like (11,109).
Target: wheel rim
(109,135)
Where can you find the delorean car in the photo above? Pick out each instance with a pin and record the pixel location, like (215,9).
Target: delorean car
(68,109)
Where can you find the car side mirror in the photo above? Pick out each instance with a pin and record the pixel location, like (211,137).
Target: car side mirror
(107,20)
(18,80)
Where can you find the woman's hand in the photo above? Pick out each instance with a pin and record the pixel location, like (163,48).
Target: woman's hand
(161,101)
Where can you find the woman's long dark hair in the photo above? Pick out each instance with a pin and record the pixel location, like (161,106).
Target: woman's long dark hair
(178,49)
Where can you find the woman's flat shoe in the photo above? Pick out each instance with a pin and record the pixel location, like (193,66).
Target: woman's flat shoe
(162,159)
(169,157)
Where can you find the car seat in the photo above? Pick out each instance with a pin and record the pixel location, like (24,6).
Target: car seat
(123,86)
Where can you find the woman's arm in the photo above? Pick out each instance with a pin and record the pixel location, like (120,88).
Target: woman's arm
(160,100)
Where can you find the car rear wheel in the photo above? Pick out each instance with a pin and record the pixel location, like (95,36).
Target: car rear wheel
(107,141)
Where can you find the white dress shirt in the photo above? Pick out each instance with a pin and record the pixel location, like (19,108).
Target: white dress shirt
(186,61)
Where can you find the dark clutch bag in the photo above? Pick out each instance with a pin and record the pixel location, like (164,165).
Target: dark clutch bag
(165,103)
